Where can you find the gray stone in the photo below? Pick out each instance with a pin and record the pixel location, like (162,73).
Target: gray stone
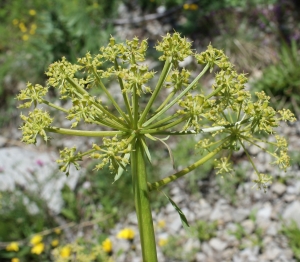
(273,229)
(200,257)
(289,198)
(207,250)
(272,253)
(278,188)
(292,212)
(191,244)
(216,214)
(240,214)
(217,244)
(37,172)
(174,222)
(3,141)
(265,212)
(248,226)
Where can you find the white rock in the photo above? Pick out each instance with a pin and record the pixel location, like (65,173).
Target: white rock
(207,250)
(248,226)
(174,222)
(240,214)
(273,229)
(37,172)
(265,212)
(289,198)
(272,253)
(216,214)
(200,257)
(217,244)
(292,212)
(191,244)
(278,188)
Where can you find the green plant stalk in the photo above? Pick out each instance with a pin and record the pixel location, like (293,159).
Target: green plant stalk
(165,101)
(178,97)
(124,94)
(142,202)
(163,121)
(97,105)
(162,128)
(72,132)
(55,106)
(161,80)
(171,178)
(109,95)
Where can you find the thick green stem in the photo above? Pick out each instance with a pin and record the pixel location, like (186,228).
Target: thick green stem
(142,202)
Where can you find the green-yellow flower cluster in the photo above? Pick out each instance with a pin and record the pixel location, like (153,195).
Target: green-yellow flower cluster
(228,112)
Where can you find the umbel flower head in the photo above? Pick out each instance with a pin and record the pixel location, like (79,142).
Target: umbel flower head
(228,116)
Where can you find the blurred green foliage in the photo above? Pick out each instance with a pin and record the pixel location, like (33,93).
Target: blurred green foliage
(281,80)
(35,33)
(292,232)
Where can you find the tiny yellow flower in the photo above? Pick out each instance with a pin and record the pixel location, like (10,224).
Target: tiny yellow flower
(186,6)
(161,223)
(107,245)
(38,248)
(36,239)
(162,242)
(57,231)
(65,252)
(32,12)
(25,37)
(15,22)
(15,259)
(54,242)
(193,6)
(13,246)
(126,233)
(22,27)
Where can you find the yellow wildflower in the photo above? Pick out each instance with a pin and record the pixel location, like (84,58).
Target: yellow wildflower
(15,21)
(22,27)
(186,6)
(126,233)
(36,239)
(193,6)
(38,248)
(13,246)
(107,245)
(32,29)
(15,259)
(162,242)
(65,252)
(161,223)
(25,37)
(32,12)
(54,242)
(57,231)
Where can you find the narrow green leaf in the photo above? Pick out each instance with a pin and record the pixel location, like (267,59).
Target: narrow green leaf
(146,150)
(182,216)
(151,137)
(169,149)
(121,168)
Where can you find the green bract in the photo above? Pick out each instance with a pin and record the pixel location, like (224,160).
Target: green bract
(227,115)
